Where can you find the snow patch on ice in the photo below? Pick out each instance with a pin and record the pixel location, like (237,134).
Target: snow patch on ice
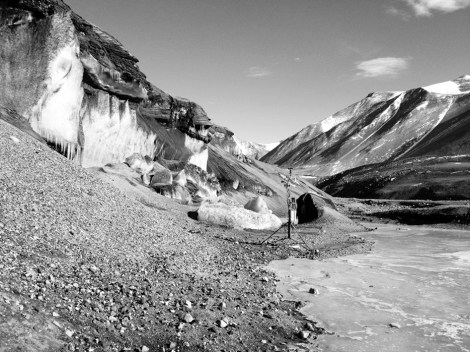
(332,121)
(270,146)
(444,88)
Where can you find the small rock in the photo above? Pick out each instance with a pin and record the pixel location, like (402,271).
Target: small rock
(55,314)
(188,304)
(222,305)
(93,269)
(309,326)
(264,279)
(172,345)
(14,139)
(188,318)
(313,291)
(304,335)
(69,333)
(395,325)
(223,323)
(145,349)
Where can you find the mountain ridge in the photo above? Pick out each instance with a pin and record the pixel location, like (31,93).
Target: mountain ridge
(367,126)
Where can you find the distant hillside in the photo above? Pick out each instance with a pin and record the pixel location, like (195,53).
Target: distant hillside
(429,122)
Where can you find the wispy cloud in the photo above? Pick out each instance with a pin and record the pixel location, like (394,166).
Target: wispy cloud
(426,8)
(397,12)
(382,67)
(258,72)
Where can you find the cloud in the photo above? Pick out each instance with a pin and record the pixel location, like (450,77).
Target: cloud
(382,67)
(397,12)
(258,72)
(425,8)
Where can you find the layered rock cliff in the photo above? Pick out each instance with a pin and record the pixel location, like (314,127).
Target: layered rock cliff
(83,92)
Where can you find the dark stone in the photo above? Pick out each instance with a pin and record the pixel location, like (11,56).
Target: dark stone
(310,207)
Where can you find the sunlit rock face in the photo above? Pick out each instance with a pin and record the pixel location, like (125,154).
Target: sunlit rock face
(83,92)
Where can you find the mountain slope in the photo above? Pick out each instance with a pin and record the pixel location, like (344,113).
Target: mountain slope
(383,127)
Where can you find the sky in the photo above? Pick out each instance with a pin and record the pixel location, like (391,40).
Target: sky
(265,69)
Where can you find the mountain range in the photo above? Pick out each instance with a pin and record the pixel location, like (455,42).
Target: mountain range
(421,126)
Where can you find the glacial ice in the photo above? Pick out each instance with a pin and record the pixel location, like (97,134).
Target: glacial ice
(56,115)
(111,132)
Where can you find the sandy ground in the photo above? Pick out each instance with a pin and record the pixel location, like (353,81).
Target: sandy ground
(85,266)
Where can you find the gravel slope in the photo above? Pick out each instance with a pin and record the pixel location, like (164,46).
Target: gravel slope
(86,267)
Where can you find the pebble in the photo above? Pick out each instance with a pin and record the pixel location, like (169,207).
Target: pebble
(188,318)
(313,291)
(309,326)
(223,323)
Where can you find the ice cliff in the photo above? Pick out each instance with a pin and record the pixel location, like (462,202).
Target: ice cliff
(84,93)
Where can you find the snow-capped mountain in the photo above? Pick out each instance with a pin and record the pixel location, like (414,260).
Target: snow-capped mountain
(382,127)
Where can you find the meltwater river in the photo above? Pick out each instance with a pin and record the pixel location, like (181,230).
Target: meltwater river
(411,293)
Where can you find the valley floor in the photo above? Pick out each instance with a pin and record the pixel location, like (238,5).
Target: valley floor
(85,266)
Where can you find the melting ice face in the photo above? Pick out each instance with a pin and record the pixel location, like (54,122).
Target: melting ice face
(56,116)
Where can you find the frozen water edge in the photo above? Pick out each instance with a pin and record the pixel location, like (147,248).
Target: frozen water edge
(415,278)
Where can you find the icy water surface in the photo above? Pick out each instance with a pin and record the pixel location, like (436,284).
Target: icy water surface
(411,293)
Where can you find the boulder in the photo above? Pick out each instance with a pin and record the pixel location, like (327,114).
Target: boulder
(139,163)
(146,179)
(258,205)
(180,179)
(161,178)
(310,207)
(236,217)
(201,183)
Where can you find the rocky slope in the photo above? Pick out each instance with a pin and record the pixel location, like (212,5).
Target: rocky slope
(83,92)
(383,127)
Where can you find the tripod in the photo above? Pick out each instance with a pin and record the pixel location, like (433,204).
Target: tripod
(291,209)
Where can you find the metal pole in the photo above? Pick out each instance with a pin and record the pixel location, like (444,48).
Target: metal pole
(288,224)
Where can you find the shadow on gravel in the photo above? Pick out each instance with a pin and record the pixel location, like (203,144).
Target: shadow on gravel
(151,205)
